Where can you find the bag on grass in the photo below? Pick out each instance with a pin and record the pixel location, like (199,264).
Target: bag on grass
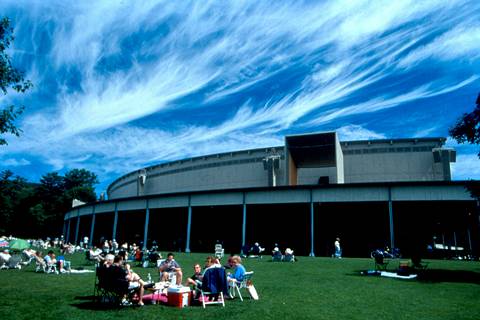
(252,291)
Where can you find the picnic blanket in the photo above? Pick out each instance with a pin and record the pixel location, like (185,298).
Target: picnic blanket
(397,276)
(80,271)
(387,274)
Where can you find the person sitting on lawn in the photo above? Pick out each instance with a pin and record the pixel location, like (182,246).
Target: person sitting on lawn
(276,254)
(239,270)
(170,266)
(229,264)
(289,257)
(256,250)
(4,258)
(197,276)
(29,255)
(123,272)
(96,254)
(5,255)
(211,262)
(51,260)
(108,262)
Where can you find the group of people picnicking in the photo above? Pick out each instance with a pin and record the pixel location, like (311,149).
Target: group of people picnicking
(48,263)
(256,251)
(118,271)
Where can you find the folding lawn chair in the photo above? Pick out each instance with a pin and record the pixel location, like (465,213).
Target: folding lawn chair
(213,287)
(219,251)
(380,263)
(236,286)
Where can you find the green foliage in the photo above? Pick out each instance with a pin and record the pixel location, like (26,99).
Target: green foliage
(467,128)
(79,184)
(10,78)
(34,210)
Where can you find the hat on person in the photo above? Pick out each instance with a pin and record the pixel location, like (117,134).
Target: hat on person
(276,249)
(109,257)
(256,243)
(288,251)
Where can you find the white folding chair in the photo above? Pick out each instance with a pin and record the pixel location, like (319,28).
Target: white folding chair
(236,286)
(208,297)
(219,251)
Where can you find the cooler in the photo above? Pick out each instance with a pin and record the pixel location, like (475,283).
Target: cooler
(178,296)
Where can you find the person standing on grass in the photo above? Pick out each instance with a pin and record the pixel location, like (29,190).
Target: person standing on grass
(338,249)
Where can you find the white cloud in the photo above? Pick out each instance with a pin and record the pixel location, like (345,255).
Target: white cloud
(12,162)
(223,49)
(355,132)
(461,42)
(467,167)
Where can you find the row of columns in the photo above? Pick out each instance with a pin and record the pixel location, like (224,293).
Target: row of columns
(67,224)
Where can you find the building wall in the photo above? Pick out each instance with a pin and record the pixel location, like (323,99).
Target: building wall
(385,162)
(311,175)
(222,171)
(362,161)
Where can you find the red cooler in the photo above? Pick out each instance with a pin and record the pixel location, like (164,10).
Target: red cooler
(178,296)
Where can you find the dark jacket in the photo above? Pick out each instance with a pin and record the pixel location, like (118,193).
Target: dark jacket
(215,281)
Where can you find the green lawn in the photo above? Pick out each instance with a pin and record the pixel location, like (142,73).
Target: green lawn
(313,288)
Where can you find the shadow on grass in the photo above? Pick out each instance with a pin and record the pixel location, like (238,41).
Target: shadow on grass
(90,304)
(439,275)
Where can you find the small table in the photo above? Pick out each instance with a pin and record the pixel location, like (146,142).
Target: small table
(157,290)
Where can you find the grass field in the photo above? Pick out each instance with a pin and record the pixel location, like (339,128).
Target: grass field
(313,288)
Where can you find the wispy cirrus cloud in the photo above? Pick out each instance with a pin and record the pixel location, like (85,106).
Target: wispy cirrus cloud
(123,84)
(356,132)
(12,162)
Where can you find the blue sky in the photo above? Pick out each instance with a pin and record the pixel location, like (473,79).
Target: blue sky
(119,85)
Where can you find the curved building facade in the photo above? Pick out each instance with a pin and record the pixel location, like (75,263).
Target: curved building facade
(301,195)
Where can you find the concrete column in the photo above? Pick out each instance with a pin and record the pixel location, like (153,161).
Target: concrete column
(244,223)
(64,228)
(92,227)
(455,242)
(477,244)
(469,241)
(78,226)
(312,251)
(115,220)
(390,214)
(145,230)
(67,239)
(189,225)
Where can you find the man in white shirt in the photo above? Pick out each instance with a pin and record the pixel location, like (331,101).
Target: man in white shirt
(5,256)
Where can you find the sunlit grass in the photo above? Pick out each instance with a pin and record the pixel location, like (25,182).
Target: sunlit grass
(313,288)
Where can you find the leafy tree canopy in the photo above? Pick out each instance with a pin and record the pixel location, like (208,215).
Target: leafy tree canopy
(31,210)
(10,78)
(467,128)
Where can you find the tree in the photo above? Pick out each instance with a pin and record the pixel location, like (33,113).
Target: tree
(10,78)
(80,184)
(467,129)
(56,193)
(15,196)
(37,209)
